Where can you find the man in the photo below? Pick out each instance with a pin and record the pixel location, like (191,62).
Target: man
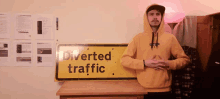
(148,54)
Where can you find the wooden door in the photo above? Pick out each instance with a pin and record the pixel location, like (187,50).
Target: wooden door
(208,28)
(204,39)
(215,28)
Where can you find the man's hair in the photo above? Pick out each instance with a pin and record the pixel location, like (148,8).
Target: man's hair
(160,8)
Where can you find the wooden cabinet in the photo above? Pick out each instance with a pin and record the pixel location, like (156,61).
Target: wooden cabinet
(207,35)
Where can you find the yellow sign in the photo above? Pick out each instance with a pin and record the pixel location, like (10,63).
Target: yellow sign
(91,62)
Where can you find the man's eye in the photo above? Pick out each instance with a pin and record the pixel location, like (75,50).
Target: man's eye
(158,13)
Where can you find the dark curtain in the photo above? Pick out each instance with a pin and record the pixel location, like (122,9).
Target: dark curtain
(185,80)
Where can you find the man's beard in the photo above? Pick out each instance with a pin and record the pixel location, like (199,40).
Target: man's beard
(155,26)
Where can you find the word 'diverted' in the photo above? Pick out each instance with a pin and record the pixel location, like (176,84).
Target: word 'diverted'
(69,55)
(93,67)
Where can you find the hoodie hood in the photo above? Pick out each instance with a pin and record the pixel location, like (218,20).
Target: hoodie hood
(148,29)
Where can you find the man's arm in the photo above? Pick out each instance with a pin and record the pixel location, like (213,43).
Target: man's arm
(128,59)
(177,51)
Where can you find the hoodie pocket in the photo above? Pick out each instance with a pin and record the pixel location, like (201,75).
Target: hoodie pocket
(162,78)
(168,73)
(152,78)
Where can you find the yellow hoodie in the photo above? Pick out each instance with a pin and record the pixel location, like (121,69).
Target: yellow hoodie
(139,49)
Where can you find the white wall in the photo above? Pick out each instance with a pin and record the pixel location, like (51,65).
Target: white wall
(80,21)
(200,7)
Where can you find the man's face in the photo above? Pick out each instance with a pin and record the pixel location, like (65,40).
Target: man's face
(154,18)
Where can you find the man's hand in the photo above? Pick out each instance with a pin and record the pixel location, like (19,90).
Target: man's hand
(164,66)
(157,64)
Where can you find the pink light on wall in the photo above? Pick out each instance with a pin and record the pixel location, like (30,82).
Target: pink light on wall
(174,17)
(174,12)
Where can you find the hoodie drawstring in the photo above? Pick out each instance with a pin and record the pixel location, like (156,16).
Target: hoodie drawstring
(157,41)
(152,42)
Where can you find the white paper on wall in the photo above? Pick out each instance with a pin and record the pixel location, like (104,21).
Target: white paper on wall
(23,53)
(23,26)
(5,25)
(5,53)
(45,25)
(45,54)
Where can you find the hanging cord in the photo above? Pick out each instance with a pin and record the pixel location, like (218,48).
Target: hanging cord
(152,40)
(157,41)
